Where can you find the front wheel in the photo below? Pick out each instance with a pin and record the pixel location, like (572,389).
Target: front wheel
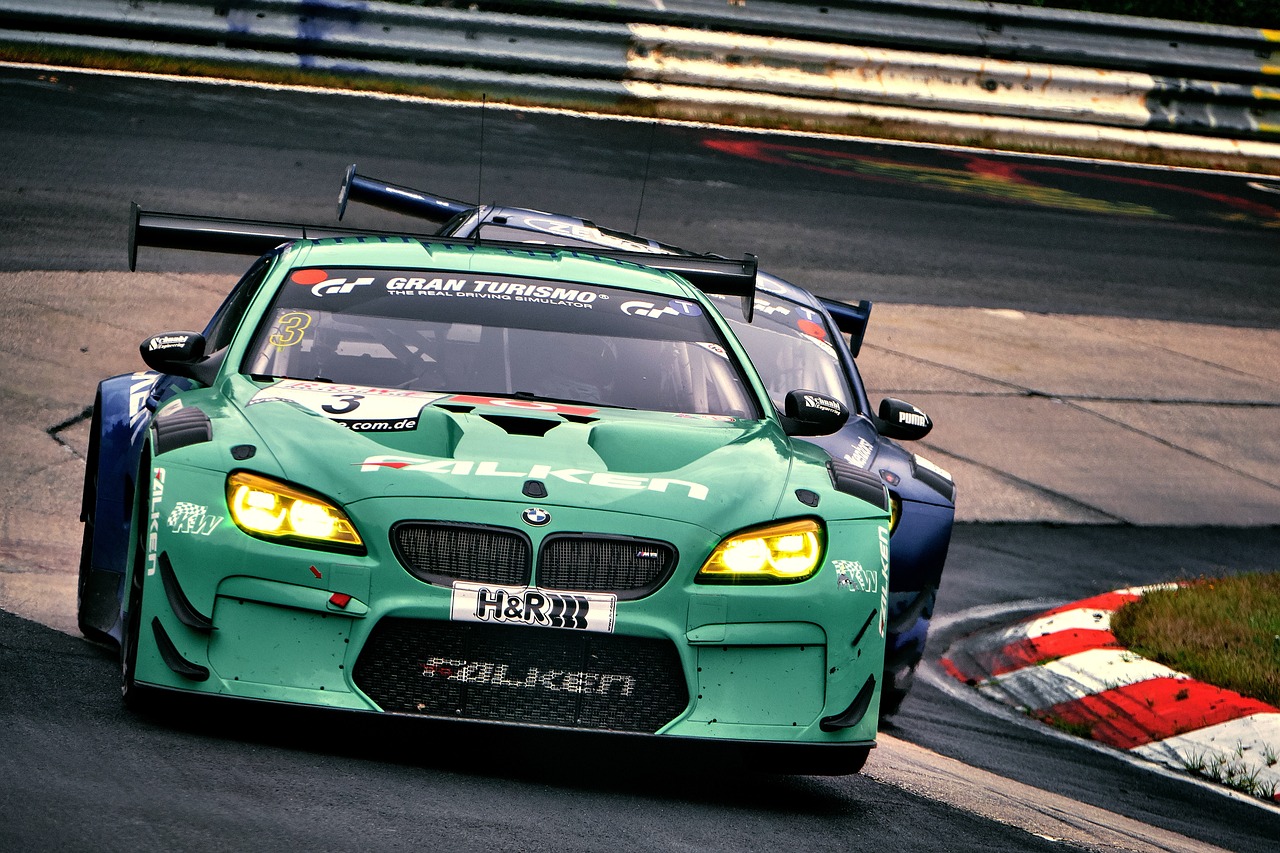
(908,629)
(897,683)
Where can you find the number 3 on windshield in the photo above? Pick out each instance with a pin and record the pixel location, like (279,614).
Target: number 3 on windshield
(290,328)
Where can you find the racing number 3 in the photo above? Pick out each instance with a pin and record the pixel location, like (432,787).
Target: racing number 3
(289,329)
(350,402)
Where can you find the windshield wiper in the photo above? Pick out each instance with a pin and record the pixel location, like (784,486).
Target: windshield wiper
(272,377)
(568,401)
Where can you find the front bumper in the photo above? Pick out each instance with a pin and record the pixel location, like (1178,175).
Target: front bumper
(783,664)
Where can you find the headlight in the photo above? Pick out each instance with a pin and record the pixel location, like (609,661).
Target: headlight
(895,511)
(779,553)
(278,512)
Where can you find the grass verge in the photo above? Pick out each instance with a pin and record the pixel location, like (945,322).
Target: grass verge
(1224,632)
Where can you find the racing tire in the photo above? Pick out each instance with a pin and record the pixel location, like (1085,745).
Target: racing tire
(897,684)
(900,665)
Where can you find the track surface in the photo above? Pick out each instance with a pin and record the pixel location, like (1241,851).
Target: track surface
(911,225)
(907,225)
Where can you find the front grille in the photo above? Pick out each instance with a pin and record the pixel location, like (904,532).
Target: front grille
(629,567)
(533,676)
(443,553)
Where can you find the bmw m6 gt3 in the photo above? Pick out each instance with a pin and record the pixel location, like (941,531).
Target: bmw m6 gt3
(485,481)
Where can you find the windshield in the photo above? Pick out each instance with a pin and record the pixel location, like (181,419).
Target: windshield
(462,332)
(790,346)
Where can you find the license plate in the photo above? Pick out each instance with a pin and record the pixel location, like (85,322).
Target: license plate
(523,605)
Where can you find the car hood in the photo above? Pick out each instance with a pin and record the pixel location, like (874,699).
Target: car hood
(719,473)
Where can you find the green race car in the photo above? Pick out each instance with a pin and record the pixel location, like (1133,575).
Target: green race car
(487,482)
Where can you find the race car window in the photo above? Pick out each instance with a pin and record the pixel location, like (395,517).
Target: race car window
(534,229)
(226,320)
(463,332)
(791,347)
(526,235)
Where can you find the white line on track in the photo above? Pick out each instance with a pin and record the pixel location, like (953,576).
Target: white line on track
(1044,814)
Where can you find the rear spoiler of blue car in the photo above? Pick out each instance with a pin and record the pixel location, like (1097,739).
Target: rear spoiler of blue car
(255,237)
(850,319)
(397,198)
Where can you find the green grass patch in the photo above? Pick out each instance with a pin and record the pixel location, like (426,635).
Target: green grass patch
(1224,632)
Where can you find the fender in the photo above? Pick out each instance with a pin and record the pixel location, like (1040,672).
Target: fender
(122,412)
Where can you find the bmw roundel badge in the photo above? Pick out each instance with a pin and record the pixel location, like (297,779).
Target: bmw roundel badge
(535,516)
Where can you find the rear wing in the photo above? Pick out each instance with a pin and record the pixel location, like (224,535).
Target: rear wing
(397,198)
(850,319)
(256,237)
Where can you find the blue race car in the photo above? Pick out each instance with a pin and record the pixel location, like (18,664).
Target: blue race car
(797,340)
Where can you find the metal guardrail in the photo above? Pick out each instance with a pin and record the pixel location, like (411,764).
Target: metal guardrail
(961,27)
(350,30)
(595,58)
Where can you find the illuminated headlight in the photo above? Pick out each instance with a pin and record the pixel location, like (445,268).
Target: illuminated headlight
(777,554)
(278,512)
(895,511)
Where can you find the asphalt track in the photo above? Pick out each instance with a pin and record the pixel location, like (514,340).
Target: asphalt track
(1106,399)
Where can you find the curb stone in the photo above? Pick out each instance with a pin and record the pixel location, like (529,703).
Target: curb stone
(1065,667)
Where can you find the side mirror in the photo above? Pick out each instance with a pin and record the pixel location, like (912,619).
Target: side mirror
(175,353)
(811,413)
(901,420)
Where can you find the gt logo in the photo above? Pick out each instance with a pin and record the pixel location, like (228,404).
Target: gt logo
(674,308)
(331,286)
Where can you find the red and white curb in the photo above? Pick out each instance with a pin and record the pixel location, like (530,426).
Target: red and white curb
(1065,667)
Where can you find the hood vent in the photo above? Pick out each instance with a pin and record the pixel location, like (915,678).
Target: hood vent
(518,425)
